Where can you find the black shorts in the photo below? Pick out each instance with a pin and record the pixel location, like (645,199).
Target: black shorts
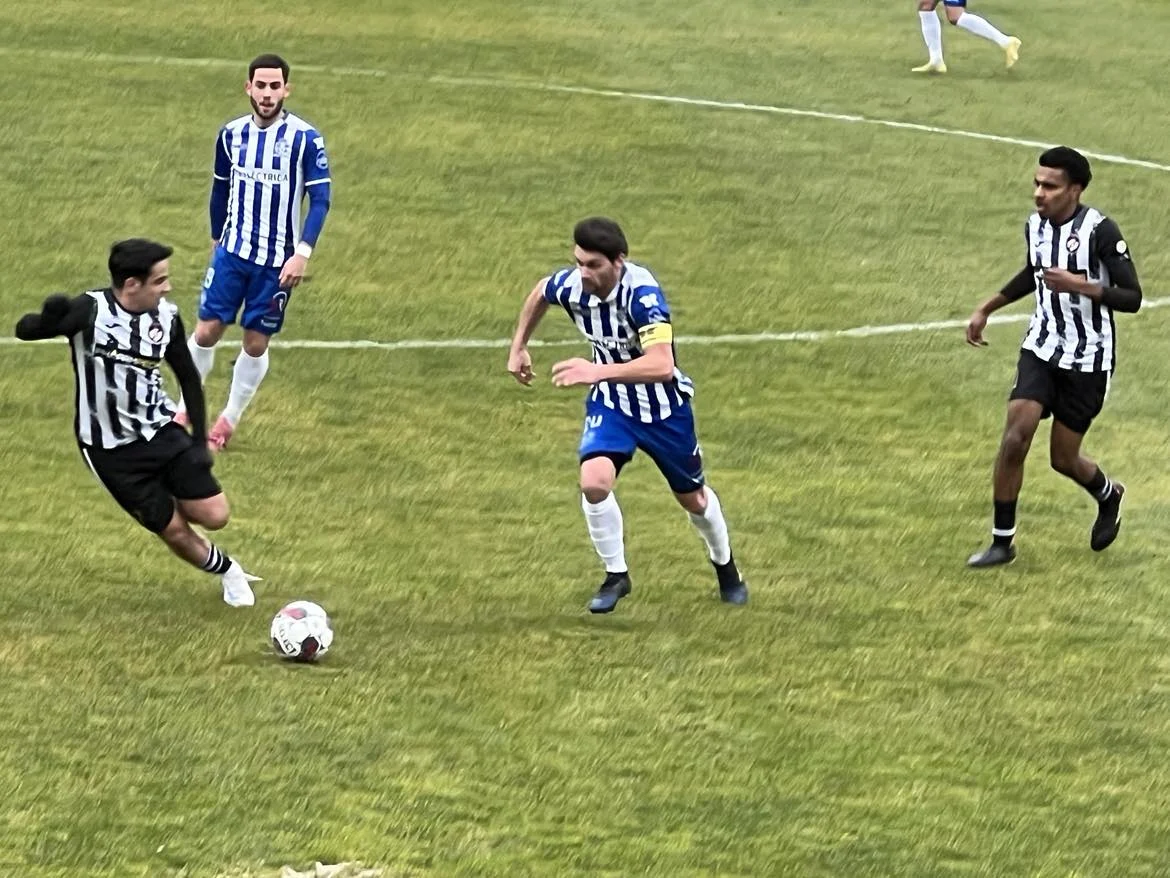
(147,476)
(1073,398)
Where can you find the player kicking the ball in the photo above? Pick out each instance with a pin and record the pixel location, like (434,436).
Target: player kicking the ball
(638,398)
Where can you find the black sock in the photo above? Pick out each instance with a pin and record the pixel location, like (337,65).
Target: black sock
(728,574)
(1003,529)
(1099,486)
(217,562)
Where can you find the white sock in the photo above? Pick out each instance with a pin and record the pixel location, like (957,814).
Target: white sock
(246,378)
(981,27)
(604,520)
(713,529)
(932,34)
(204,359)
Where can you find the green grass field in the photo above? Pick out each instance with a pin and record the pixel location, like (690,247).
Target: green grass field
(878,710)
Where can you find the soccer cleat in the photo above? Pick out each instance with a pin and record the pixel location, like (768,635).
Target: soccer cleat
(221,434)
(930,67)
(993,555)
(236,591)
(615,587)
(1012,51)
(1108,521)
(182,420)
(732,589)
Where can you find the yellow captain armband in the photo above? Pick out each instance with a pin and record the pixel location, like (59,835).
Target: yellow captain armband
(656,333)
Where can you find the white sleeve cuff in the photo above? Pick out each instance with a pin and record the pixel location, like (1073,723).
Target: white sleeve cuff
(304,249)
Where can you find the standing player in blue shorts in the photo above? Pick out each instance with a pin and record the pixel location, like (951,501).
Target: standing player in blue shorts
(958,15)
(265,163)
(638,398)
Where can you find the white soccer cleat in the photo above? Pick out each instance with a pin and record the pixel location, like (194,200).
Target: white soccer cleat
(930,67)
(236,591)
(1012,51)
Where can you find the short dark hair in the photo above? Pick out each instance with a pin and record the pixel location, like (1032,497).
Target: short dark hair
(1067,159)
(599,234)
(135,257)
(264,61)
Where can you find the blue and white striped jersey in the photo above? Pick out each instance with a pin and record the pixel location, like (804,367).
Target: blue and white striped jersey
(611,324)
(268,171)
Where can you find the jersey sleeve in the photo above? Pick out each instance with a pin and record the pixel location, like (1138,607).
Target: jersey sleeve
(222,166)
(316,160)
(553,285)
(1109,242)
(651,315)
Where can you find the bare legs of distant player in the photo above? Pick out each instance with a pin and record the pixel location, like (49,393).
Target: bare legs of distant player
(250,368)
(968,21)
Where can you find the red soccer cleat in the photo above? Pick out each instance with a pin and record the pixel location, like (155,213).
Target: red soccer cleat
(220,434)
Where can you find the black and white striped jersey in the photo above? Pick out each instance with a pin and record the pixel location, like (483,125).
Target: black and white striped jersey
(1068,330)
(117,355)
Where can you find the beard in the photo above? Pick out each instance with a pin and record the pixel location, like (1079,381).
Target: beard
(259,111)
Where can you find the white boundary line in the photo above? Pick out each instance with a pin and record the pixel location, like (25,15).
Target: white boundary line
(811,335)
(530,85)
(473,82)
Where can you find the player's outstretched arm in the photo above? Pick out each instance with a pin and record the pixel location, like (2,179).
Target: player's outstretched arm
(59,315)
(1019,286)
(535,306)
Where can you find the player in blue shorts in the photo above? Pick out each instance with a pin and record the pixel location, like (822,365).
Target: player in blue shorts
(638,399)
(958,15)
(265,163)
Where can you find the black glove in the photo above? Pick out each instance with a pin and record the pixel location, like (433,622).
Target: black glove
(55,308)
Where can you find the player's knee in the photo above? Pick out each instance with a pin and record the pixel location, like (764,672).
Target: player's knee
(926,5)
(255,344)
(208,333)
(693,501)
(1063,463)
(1016,442)
(595,491)
(953,16)
(216,519)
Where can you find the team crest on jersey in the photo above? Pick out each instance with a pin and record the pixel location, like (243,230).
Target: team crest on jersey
(282,150)
(155,333)
(1073,245)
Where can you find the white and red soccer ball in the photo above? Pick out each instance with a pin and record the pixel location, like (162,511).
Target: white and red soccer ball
(301,632)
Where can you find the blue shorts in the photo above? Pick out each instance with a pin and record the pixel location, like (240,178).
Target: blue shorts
(232,283)
(961,3)
(671,444)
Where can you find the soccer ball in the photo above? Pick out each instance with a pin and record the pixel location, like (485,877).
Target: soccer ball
(301,632)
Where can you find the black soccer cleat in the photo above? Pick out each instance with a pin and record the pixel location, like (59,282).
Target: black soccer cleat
(732,589)
(993,555)
(615,587)
(1108,522)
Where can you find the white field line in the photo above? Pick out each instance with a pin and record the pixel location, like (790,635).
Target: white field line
(529,85)
(811,335)
(474,82)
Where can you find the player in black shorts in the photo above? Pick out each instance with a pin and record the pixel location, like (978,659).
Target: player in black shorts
(157,472)
(1079,268)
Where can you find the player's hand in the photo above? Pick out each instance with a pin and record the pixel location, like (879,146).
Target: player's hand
(293,272)
(575,371)
(975,327)
(520,365)
(1060,281)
